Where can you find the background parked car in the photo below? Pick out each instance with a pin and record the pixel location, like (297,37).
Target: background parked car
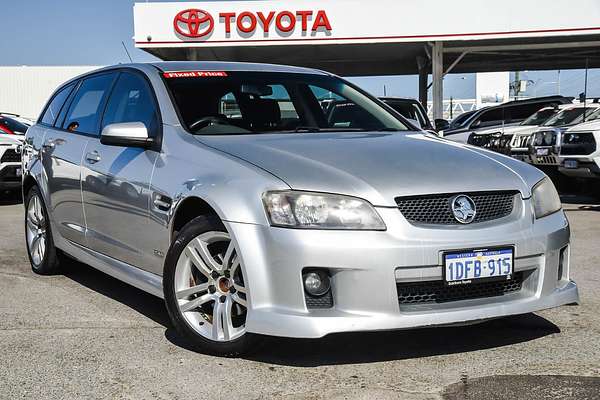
(12,124)
(545,143)
(579,154)
(10,162)
(410,109)
(507,114)
(513,140)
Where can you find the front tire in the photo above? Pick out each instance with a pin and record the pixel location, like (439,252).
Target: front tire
(205,289)
(43,255)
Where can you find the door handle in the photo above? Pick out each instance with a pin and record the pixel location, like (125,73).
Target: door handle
(49,144)
(93,157)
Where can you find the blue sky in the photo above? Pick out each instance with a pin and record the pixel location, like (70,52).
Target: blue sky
(90,32)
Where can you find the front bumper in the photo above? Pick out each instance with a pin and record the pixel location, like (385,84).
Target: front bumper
(9,178)
(585,169)
(367,266)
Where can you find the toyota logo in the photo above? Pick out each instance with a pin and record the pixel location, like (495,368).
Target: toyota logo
(463,208)
(193,23)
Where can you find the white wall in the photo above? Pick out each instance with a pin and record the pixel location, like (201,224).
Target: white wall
(492,88)
(24,90)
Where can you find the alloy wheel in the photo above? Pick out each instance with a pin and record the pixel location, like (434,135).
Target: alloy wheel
(210,289)
(36,230)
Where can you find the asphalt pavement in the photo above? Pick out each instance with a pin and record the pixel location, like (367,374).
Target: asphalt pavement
(86,335)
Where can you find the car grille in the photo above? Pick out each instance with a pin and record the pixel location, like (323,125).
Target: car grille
(436,209)
(439,292)
(11,155)
(578,144)
(545,160)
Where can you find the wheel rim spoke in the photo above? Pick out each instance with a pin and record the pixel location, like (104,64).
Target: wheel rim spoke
(236,297)
(193,304)
(182,294)
(197,262)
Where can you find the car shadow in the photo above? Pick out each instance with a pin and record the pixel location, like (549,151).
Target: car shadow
(367,347)
(10,198)
(336,349)
(574,202)
(136,299)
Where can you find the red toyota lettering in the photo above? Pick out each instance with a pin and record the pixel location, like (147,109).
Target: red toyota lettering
(291,24)
(249,17)
(321,21)
(266,21)
(228,17)
(304,18)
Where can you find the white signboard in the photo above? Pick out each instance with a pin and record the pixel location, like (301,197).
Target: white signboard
(252,23)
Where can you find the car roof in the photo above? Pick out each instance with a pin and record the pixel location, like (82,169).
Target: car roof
(171,66)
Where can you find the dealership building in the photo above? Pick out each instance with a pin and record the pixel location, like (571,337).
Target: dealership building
(357,38)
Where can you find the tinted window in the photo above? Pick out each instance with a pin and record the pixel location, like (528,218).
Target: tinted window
(84,112)
(261,102)
(131,101)
(55,105)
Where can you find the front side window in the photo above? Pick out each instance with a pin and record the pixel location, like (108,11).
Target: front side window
(53,109)
(131,101)
(259,102)
(84,113)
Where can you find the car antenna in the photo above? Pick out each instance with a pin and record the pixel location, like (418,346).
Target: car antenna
(126,51)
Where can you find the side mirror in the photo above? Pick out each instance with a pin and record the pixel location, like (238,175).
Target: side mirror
(441,124)
(127,134)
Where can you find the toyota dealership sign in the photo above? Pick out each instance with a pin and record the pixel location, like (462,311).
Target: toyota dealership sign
(288,22)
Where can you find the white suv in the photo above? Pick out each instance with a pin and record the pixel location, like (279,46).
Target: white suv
(580,153)
(10,161)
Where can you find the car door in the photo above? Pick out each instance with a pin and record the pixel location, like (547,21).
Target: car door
(63,146)
(115,180)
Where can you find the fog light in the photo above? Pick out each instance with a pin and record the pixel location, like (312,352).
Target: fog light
(316,283)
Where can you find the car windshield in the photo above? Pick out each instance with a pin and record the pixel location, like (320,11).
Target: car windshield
(234,103)
(540,117)
(568,117)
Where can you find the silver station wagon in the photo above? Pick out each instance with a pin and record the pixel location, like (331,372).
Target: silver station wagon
(273,200)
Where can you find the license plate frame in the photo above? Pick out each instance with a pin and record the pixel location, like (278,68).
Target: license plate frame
(502,277)
(571,164)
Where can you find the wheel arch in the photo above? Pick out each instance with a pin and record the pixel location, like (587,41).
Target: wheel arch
(28,182)
(188,209)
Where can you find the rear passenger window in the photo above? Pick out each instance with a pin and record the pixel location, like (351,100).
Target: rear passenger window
(131,101)
(55,105)
(84,112)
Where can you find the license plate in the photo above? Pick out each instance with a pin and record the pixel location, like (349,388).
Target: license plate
(18,172)
(571,164)
(542,152)
(463,267)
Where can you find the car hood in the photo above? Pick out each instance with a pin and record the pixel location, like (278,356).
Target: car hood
(6,139)
(510,130)
(586,126)
(378,166)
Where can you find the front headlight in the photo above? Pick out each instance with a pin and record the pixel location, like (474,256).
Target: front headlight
(295,209)
(545,198)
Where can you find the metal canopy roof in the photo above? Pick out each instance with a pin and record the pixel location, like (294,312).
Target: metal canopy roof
(566,52)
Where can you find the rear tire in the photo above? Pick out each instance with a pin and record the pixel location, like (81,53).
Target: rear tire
(43,255)
(205,290)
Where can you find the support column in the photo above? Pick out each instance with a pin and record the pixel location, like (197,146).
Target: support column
(437,59)
(423,64)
